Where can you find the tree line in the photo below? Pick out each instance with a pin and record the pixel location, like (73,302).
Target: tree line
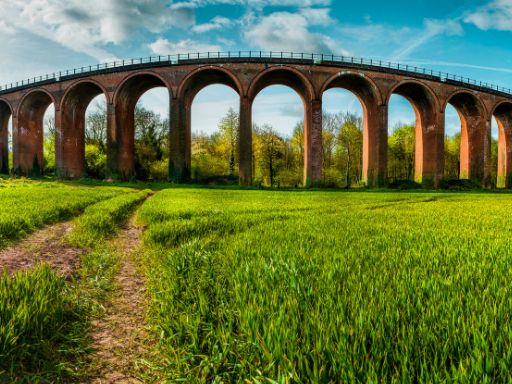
(278,160)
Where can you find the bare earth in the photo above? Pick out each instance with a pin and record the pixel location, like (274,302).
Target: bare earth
(44,246)
(121,340)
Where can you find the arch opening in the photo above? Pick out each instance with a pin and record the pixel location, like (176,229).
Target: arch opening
(28,135)
(215,125)
(278,144)
(401,140)
(96,138)
(503,117)
(140,145)
(468,145)
(71,151)
(5,136)
(342,134)
(454,132)
(428,133)
(188,152)
(372,151)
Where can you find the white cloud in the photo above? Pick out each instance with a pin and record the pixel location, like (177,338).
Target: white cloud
(165,47)
(88,27)
(285,31)
(260,3)
(216,23)
(495,15)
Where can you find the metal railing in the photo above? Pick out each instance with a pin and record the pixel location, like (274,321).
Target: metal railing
(315,58)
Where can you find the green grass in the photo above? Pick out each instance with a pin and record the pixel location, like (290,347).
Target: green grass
(331,287)
(26,205)
(100,221)
(45,319)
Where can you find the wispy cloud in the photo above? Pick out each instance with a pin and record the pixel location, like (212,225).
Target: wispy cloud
(431,29)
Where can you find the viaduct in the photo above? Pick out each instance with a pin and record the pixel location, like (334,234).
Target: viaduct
(310,75)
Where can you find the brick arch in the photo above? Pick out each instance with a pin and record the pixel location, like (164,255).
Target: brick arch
(502,111)
(28,132)
(363,87)
(146,80)
(205,76)
(472,112)
(282,75)
(5,115)
(92,87)
(33,93)
(70,143)
(121,149)
(374,131)
(429,133)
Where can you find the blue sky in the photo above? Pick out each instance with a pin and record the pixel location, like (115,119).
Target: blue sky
(468,38)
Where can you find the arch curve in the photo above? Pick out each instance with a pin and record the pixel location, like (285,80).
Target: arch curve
(362,86)
(282,75)
(81,84)
(205,76)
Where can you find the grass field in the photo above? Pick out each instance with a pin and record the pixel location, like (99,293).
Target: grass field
(275,286)
(331,287)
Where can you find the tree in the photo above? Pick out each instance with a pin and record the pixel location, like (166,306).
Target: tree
(49,145)
(349,148)
(96,128)
(229,128)
(150,133)
(401,152)
(452,156)
(269,150)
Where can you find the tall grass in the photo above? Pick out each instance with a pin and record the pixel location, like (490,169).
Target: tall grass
(26,206)
(38,318)
(331,287)
(100,221)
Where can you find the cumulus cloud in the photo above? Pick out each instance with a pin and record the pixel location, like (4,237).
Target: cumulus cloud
(87,26)
(216,23)
(165,47)
(494,15)
(286,31)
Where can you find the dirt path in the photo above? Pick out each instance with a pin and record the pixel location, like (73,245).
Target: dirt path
(120,338)
(44,246)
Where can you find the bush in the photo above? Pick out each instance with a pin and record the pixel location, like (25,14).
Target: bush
(460,185)
(404,185)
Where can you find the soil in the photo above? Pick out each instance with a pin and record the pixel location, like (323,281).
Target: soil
(120,338)
(44,246)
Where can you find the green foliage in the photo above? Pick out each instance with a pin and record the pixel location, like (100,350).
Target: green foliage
(28,206)
(401,152)
(100,221)
(95,161)
(217,155)
(452,157)
(330,287)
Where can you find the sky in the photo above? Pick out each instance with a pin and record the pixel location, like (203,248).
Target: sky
(467,38)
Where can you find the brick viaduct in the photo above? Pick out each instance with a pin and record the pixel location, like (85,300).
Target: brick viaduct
(373,83)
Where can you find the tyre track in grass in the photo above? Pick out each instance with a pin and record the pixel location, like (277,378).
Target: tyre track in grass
(122,343)
(46,245)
